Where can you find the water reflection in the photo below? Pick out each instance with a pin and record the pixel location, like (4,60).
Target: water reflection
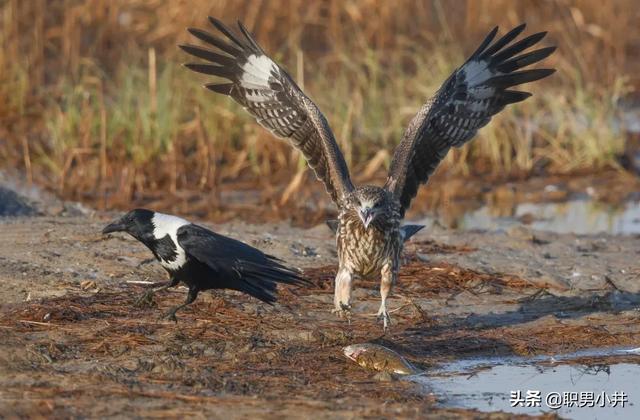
(605,390)
(575,216)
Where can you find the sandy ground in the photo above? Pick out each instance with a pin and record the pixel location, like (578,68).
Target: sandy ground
(73,344)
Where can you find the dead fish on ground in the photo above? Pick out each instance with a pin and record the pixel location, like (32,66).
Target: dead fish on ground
(377,357)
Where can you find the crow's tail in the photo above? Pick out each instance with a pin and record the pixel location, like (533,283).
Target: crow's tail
(260,280)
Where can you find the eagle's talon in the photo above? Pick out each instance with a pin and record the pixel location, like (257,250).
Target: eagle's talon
(386,319)
(344,311)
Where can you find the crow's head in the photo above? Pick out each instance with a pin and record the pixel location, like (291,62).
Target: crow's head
(370,204)
(138,223)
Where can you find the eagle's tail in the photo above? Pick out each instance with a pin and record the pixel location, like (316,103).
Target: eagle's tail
(333,224)
(407,231)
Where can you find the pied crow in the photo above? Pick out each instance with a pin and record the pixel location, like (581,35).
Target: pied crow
(203,259)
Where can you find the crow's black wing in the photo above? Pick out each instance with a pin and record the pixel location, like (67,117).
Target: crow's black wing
(246,268)
(271,96)
(466,102)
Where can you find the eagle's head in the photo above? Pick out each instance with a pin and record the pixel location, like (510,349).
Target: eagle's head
(371,204)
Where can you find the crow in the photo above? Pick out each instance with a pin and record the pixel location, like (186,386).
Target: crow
(203,259)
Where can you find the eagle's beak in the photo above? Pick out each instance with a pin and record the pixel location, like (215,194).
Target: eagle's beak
(366,215)
(116,226)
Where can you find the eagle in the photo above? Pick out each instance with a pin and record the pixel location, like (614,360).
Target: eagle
(369,234)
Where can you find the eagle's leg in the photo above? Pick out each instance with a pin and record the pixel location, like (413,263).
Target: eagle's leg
(387,280)
(342,292)
(146,298)
(191,296)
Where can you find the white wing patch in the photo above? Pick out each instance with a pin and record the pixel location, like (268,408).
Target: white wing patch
(163,225)
(258,96)
(256,72)
(476,74)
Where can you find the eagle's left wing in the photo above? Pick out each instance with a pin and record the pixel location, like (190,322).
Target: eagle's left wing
(465,103)
(268,93)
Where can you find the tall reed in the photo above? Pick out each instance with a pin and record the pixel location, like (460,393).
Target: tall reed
(95,105)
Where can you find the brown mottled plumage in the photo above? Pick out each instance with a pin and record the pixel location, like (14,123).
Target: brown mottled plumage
(368,233)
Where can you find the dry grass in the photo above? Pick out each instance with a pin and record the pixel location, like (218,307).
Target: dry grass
(225,349)
(94,104)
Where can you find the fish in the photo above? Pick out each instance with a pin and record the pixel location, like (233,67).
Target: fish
(376,357)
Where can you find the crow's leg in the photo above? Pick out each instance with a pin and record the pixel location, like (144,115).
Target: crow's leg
(146,298)
(342,293)
(387,280)
(191,296)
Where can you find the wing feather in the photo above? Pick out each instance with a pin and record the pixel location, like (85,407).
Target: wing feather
(464,103)
(239,266)
(271,96)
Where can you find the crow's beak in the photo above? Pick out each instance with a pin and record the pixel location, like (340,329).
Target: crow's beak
(366,215)
(116,226)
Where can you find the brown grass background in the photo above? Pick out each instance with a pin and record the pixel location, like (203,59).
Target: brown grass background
(95,106)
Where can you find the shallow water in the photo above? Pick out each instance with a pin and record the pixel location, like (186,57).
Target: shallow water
(601,389)
(574,216)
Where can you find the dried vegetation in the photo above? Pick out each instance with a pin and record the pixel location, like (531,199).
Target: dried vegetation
(95,105)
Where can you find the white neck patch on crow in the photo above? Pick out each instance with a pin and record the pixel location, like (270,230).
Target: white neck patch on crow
(163,225)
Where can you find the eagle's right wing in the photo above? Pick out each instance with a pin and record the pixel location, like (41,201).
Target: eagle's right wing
(274,100)
(466,102)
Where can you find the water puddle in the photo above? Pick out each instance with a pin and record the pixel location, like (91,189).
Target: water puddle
(567,385)
(575,216)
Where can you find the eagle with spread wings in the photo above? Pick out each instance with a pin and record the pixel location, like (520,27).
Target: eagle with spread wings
(369,234)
